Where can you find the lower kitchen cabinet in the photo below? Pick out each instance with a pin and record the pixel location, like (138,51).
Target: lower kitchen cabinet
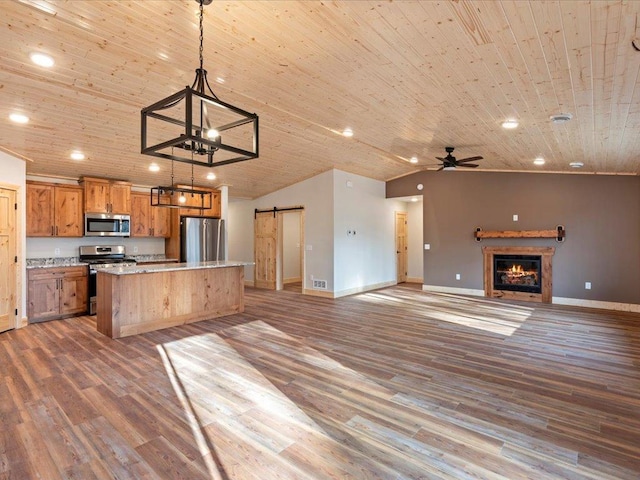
(56,292)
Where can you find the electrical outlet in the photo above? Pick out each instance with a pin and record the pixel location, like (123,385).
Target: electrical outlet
(457,276)
(587,285)
(309,248)
(135,249)
(56,251)
(427,246)
(515,218)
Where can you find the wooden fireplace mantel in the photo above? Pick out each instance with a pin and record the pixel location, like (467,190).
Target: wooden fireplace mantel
(547,279)
(559,233)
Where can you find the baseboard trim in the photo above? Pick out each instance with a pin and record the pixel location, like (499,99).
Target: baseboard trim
(366,288)
(317,293)
(572,302)
(579,302)
(350,291)
(291,280)
(454,290)
(415,280)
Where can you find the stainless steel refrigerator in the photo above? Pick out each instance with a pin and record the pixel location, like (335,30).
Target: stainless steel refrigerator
(201,239)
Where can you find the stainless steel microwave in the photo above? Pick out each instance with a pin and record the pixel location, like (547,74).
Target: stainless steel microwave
(106,225)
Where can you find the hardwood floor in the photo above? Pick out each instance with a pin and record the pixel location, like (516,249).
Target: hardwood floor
(391,384)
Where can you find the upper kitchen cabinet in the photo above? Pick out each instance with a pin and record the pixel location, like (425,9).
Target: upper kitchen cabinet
(215,211)
(148,221)
(106,196)
(54,210)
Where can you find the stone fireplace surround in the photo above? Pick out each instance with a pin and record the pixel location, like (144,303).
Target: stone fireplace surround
(547,274)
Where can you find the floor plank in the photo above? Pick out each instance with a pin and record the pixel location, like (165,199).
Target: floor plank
(391,384)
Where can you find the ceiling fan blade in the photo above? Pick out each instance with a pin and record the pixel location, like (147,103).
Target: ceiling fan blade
(441,168)
(440,158)
(470,159)
(468,165)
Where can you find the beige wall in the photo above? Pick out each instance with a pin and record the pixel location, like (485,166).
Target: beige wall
(601,215)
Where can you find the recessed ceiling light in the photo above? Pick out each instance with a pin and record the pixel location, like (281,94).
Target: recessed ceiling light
(42,59)
(154,167)
(413,159)
(219,79)
(561,118)
(163,56)
(538,161)
(77,155)
(347,132)
(211,176)
(510,124)
(18,118)
(576,164)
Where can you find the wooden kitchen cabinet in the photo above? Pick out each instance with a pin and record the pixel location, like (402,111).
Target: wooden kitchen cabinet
(172,243)
(56,292)
(54,210)
(102,195)
(215,211)
(148,221)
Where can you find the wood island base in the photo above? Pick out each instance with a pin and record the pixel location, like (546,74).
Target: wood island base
(153,299)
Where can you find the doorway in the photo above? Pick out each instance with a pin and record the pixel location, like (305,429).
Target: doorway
(401,246)
(8,260)
(292,252)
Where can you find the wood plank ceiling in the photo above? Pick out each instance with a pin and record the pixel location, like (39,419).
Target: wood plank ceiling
(409,78)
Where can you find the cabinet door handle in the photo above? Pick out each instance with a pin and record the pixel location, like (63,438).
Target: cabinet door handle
(56,230)
(53,231)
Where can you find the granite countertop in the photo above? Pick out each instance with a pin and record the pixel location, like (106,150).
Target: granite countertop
(158,258)
(54,262)
(172,267)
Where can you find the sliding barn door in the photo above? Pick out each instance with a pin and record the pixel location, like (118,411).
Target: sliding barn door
(266,250)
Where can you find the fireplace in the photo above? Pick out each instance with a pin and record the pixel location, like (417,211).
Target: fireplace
(518,273)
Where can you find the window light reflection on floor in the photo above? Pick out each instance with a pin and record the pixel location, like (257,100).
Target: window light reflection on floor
(472,313)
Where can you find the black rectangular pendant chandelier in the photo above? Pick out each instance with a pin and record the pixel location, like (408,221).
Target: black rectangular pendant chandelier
(194,126)
(181,197)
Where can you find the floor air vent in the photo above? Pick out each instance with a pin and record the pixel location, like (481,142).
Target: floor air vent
(320,284)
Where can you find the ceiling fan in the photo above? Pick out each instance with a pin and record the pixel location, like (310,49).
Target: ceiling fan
(450,162)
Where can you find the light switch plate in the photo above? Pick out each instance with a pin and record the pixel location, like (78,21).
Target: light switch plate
(515,218)
(427,246)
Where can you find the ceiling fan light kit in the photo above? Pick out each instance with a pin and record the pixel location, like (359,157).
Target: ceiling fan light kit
(178,127)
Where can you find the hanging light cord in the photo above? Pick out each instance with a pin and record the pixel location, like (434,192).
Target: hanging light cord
(201,36)
(201,81)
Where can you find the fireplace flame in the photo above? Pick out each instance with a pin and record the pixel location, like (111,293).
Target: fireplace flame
(517,269)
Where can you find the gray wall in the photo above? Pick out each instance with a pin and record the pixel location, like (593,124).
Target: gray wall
(601,215)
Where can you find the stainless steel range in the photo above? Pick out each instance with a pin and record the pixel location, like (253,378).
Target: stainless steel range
(100,257)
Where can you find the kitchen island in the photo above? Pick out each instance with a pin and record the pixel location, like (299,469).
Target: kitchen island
(144,298)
